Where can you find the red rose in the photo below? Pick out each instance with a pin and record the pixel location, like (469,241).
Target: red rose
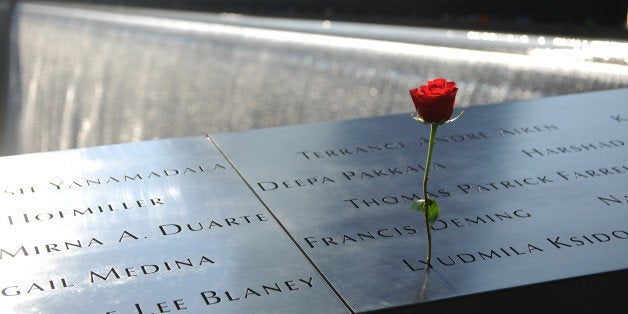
(434,102)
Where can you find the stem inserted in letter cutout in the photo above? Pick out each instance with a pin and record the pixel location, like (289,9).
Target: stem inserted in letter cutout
(434,103)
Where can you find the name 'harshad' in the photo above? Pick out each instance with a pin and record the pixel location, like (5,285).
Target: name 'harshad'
(568,149)
(170,172)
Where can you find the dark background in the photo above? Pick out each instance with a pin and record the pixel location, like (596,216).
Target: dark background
(602,18)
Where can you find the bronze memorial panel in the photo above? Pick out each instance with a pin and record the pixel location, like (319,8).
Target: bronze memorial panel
(149,227)
(316,217)
(531,192)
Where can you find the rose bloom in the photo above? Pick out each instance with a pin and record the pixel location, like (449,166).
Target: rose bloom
(434,102)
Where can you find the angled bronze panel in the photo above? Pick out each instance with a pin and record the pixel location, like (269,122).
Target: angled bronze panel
(162,225)
(530,192)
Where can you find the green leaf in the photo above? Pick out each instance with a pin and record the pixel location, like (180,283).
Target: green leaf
(432,208)
(432,211)
(417,205)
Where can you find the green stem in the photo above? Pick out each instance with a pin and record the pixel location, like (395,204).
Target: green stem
(426,175)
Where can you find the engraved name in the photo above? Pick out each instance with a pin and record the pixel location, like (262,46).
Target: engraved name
(576,148)
(408,230)
(350,175)
(230,222)
(113,273)
(440,224)
(49,248)
(509,251)
(507,184)
(225,296)
(588,239)
(456,138)
(472,257)
(96,181)
(85,182)
(394,145)
(614,200)
(350,151)
(528,130)
(26,218)
(392,200)
(357,237)
(211,297)
(35,287)
(557,176)
(591,173)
